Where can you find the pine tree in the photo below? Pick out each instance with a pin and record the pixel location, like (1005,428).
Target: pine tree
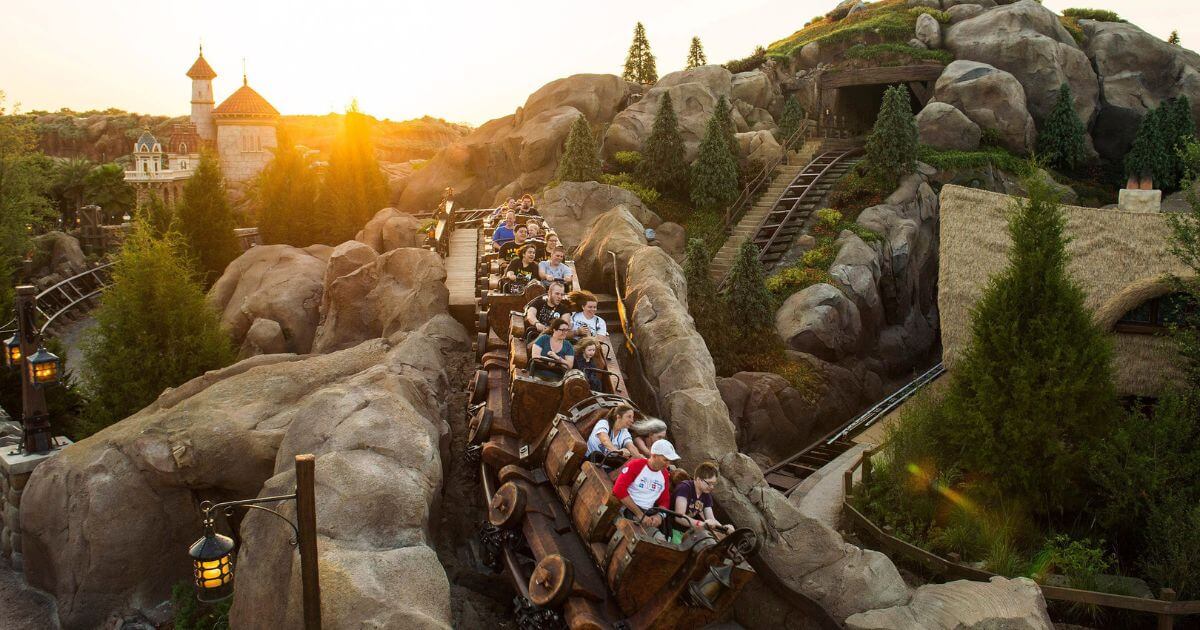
(155,214)
(639,63)
(154,329)
(1060,140)
(286,193)
(706,309)
(1174,38)
(696,56)
(1164,131)
(724,113)
(1181,130)
(206,220)
(715,172)
(892,145)
(355,187)
(663,167)
(580,161)
(746,292)
(790,121)
(1034,389)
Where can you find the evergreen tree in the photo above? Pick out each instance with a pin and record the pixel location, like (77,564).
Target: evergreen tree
(715,172)
(696,56)
(355,188)
(1060,140)
(22,199)
(663,167)
(746,292)
(1033,391)
(892,145)
(580,161)
(724,113)
(639,63)
(790,121)
(1181,129)
(286,193)
(155,214)
(1185,245)
(1164,131)
(706,309)
(154,329)
(206,220)
(1174,38)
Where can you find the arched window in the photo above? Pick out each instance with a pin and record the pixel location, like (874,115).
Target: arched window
(183,147)
(1157,314)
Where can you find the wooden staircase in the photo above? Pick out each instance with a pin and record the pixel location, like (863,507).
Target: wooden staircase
(723,260)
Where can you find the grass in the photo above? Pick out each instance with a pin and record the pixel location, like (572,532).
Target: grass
(1100,15)
(813,267)
(984,156)
(887,20)
(896,54)
(1073,27)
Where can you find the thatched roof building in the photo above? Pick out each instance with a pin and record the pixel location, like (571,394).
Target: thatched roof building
(1119,259)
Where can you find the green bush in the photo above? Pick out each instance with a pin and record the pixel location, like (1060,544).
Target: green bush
(985,156)
(820,257)
(795,278)
(648,195)
(746,64)
(1100,15)
(857,191)
(886,21)
(897,53)
(943,17)
(1073,27)
(891,151)
(1079,561)
(191,614)
(627,160)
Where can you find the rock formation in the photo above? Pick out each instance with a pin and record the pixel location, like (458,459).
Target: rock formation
(390,229)
(991,98)
(943,126)
(962,605)
(570,208)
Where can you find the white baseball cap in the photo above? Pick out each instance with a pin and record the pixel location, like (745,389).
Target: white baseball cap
(664,448)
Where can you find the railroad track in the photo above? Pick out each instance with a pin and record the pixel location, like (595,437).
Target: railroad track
(59,302)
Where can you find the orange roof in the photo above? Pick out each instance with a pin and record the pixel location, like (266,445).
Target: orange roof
(201,69)
(245,102)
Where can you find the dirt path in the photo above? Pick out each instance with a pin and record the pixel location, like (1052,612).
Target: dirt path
(21,607)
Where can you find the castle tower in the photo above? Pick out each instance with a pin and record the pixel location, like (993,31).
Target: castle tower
(202,75)
(245,124)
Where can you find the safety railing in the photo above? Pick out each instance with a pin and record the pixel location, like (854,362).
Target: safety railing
(66,296)
(755,186)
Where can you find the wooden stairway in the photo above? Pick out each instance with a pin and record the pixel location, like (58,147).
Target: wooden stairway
(723,260)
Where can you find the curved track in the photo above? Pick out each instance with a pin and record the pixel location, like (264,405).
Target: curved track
(60,301)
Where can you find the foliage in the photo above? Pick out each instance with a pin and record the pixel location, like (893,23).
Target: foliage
(858,190)
(662,166)
(884,21)
(154,330)
(107,188)
(892,146)
(812,268)
(206,220)
(746,291)
(628,160)
(69,188)
(285,194)
(897,53)
(1060,140)
(639,63)
(64,401)
(1163,133)
(746,64)
(1080,561)
(696,56)
(724,113)
(1173,551)
(789,122)
(580,160)
(191,614)
(703,305)
(355,188)
(1174,38)
(158,217)
(795,278)
(1185,246)
(714,178)
(647,195)
(1100,15)
(985,156)
(22,200)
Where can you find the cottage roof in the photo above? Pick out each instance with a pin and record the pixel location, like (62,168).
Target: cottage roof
(201,70)
(245,102)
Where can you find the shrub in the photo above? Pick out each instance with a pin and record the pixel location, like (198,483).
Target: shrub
(648,195)
(789,122)
(820,257)
(191,614)
(1060,139)
(897,53)
(887,21)
(858,190)
(943,17)
(1073,27)
(1080,561)
(960,160)
(892,146)
(627,160)
(1163,134)
(1100,15)
(794,278)
(746,64)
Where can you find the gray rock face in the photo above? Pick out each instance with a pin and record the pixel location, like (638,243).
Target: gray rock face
(991,98)
(942,126)
(770,416)
(856,271)
(61,254)
(820,321)
(614,231)
(1026,40)
(757,89)
(673,239)
(264,337)
(758,147)
(960,12)
(1000,604)
(929,32)
(571,207)
(390,229)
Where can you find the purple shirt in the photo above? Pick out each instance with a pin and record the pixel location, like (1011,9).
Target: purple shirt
(695,504)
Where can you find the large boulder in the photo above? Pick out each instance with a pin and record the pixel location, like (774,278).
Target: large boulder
(757,89)
(672,237)
(1027,40)
(991,98)
(571,207)
(856,271)
(943,126)
(1015,604)
(820,320)
(759,147)
(390,229)
(279,283)
(771,417)
(616,231)
(929,31)
(59,253)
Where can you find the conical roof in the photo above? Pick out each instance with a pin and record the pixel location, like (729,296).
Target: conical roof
(201,69)
(245,102)
(145,142)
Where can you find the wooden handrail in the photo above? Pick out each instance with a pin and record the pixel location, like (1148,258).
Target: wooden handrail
(733,212)
(799,200)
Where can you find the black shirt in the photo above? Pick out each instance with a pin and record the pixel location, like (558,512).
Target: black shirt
(545,312)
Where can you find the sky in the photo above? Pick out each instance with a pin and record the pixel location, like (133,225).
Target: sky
(465,61)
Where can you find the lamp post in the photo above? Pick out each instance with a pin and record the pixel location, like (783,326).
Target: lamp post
(38,367)
(212,554)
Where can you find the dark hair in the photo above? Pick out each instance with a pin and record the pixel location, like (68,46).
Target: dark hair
(706,470)
(578,298)
(560,321)
(527,249)
(618,411)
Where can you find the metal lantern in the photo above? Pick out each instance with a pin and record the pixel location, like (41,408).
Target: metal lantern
(212,565)
(707,590)
(43,367)
(12,351)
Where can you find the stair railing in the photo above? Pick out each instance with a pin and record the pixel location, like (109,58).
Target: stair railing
(733,213)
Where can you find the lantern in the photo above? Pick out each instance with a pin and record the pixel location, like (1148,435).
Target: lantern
(12,351)
(212,565)
(707,590)
(43,367)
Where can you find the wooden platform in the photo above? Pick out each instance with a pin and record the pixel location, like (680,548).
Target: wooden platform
(460,275)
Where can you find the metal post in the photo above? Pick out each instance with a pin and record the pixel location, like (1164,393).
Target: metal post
(35,419)
(306,520)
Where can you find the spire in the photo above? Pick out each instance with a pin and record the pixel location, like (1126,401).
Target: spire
(200,69)
(244,82)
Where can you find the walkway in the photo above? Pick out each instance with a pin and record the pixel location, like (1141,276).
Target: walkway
(460,275)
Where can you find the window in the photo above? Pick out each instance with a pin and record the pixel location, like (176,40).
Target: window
(1156,315)
(183,147)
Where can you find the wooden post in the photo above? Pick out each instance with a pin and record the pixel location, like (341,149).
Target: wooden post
(35,419)
(306,517)
(1166,622)
(866,467)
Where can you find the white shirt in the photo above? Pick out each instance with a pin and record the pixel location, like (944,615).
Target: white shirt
(595,324)
(619,440)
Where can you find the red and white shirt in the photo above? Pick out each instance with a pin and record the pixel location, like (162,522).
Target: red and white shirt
(645,486)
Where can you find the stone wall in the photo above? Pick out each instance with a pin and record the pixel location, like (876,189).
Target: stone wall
(244,150)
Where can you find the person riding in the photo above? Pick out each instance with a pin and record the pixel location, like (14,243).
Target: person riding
(504,232)
(543,309)
(644,483)
(521,270)
(555,268)
(585,322)
(693,498)
(611,434)
(535,229)
(526,203)
(585,359)
(512,249)
(646,432)
(554,346)
(552,242)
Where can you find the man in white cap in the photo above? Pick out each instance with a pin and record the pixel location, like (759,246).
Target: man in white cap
(645,483)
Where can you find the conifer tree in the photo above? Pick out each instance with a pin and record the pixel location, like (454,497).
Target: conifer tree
(892,145)
(206,220)
(715,173)
(1060,140)
(706,309)
(663,167)
(696,56)
(1174,38)
(1164,131)
(286,193)
(154,329)
(746,292)
(580,161)
(1181,129)
(639,63)
(790,121)
(724,113)
(1033,390)
(355,188)
(156,215)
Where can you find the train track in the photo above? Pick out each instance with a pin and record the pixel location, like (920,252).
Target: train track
(58,302)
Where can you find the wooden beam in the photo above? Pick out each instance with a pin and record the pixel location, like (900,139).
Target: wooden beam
(880,75)
(920,89)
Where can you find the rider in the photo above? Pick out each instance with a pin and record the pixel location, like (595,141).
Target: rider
(694,499)
(521,270)
(544,308)
(553,345)
(646,483)
(611,434)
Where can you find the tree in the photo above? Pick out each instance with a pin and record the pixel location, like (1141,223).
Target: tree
(696,57)
(285,194)
(724,113)
(22,199)
(1033,391)
(706,309)
(157,216)
(746,293)
(206,221)
(154,329)
(580,161)
(789,122)
(1163,132)
(355,188)
(715,172)
(663,166)
(70,187)
(639,63)
(1174,38)
(892,145)
(107,188)
(1060,140)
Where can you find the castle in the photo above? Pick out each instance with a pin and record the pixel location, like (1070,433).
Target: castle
(241,131)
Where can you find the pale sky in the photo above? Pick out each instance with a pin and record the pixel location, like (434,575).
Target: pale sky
(465,61)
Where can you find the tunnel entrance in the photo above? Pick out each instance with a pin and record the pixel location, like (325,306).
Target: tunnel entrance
(850,98)
(857,106)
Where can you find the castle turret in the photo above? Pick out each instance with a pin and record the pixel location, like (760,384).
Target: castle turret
(202,75)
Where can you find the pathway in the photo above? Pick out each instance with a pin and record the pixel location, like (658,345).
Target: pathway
(461,264)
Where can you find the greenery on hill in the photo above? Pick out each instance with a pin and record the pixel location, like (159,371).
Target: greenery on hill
(206,221)
(886,21)
(580,161)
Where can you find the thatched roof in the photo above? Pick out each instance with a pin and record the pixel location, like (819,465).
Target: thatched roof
(1118,258)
